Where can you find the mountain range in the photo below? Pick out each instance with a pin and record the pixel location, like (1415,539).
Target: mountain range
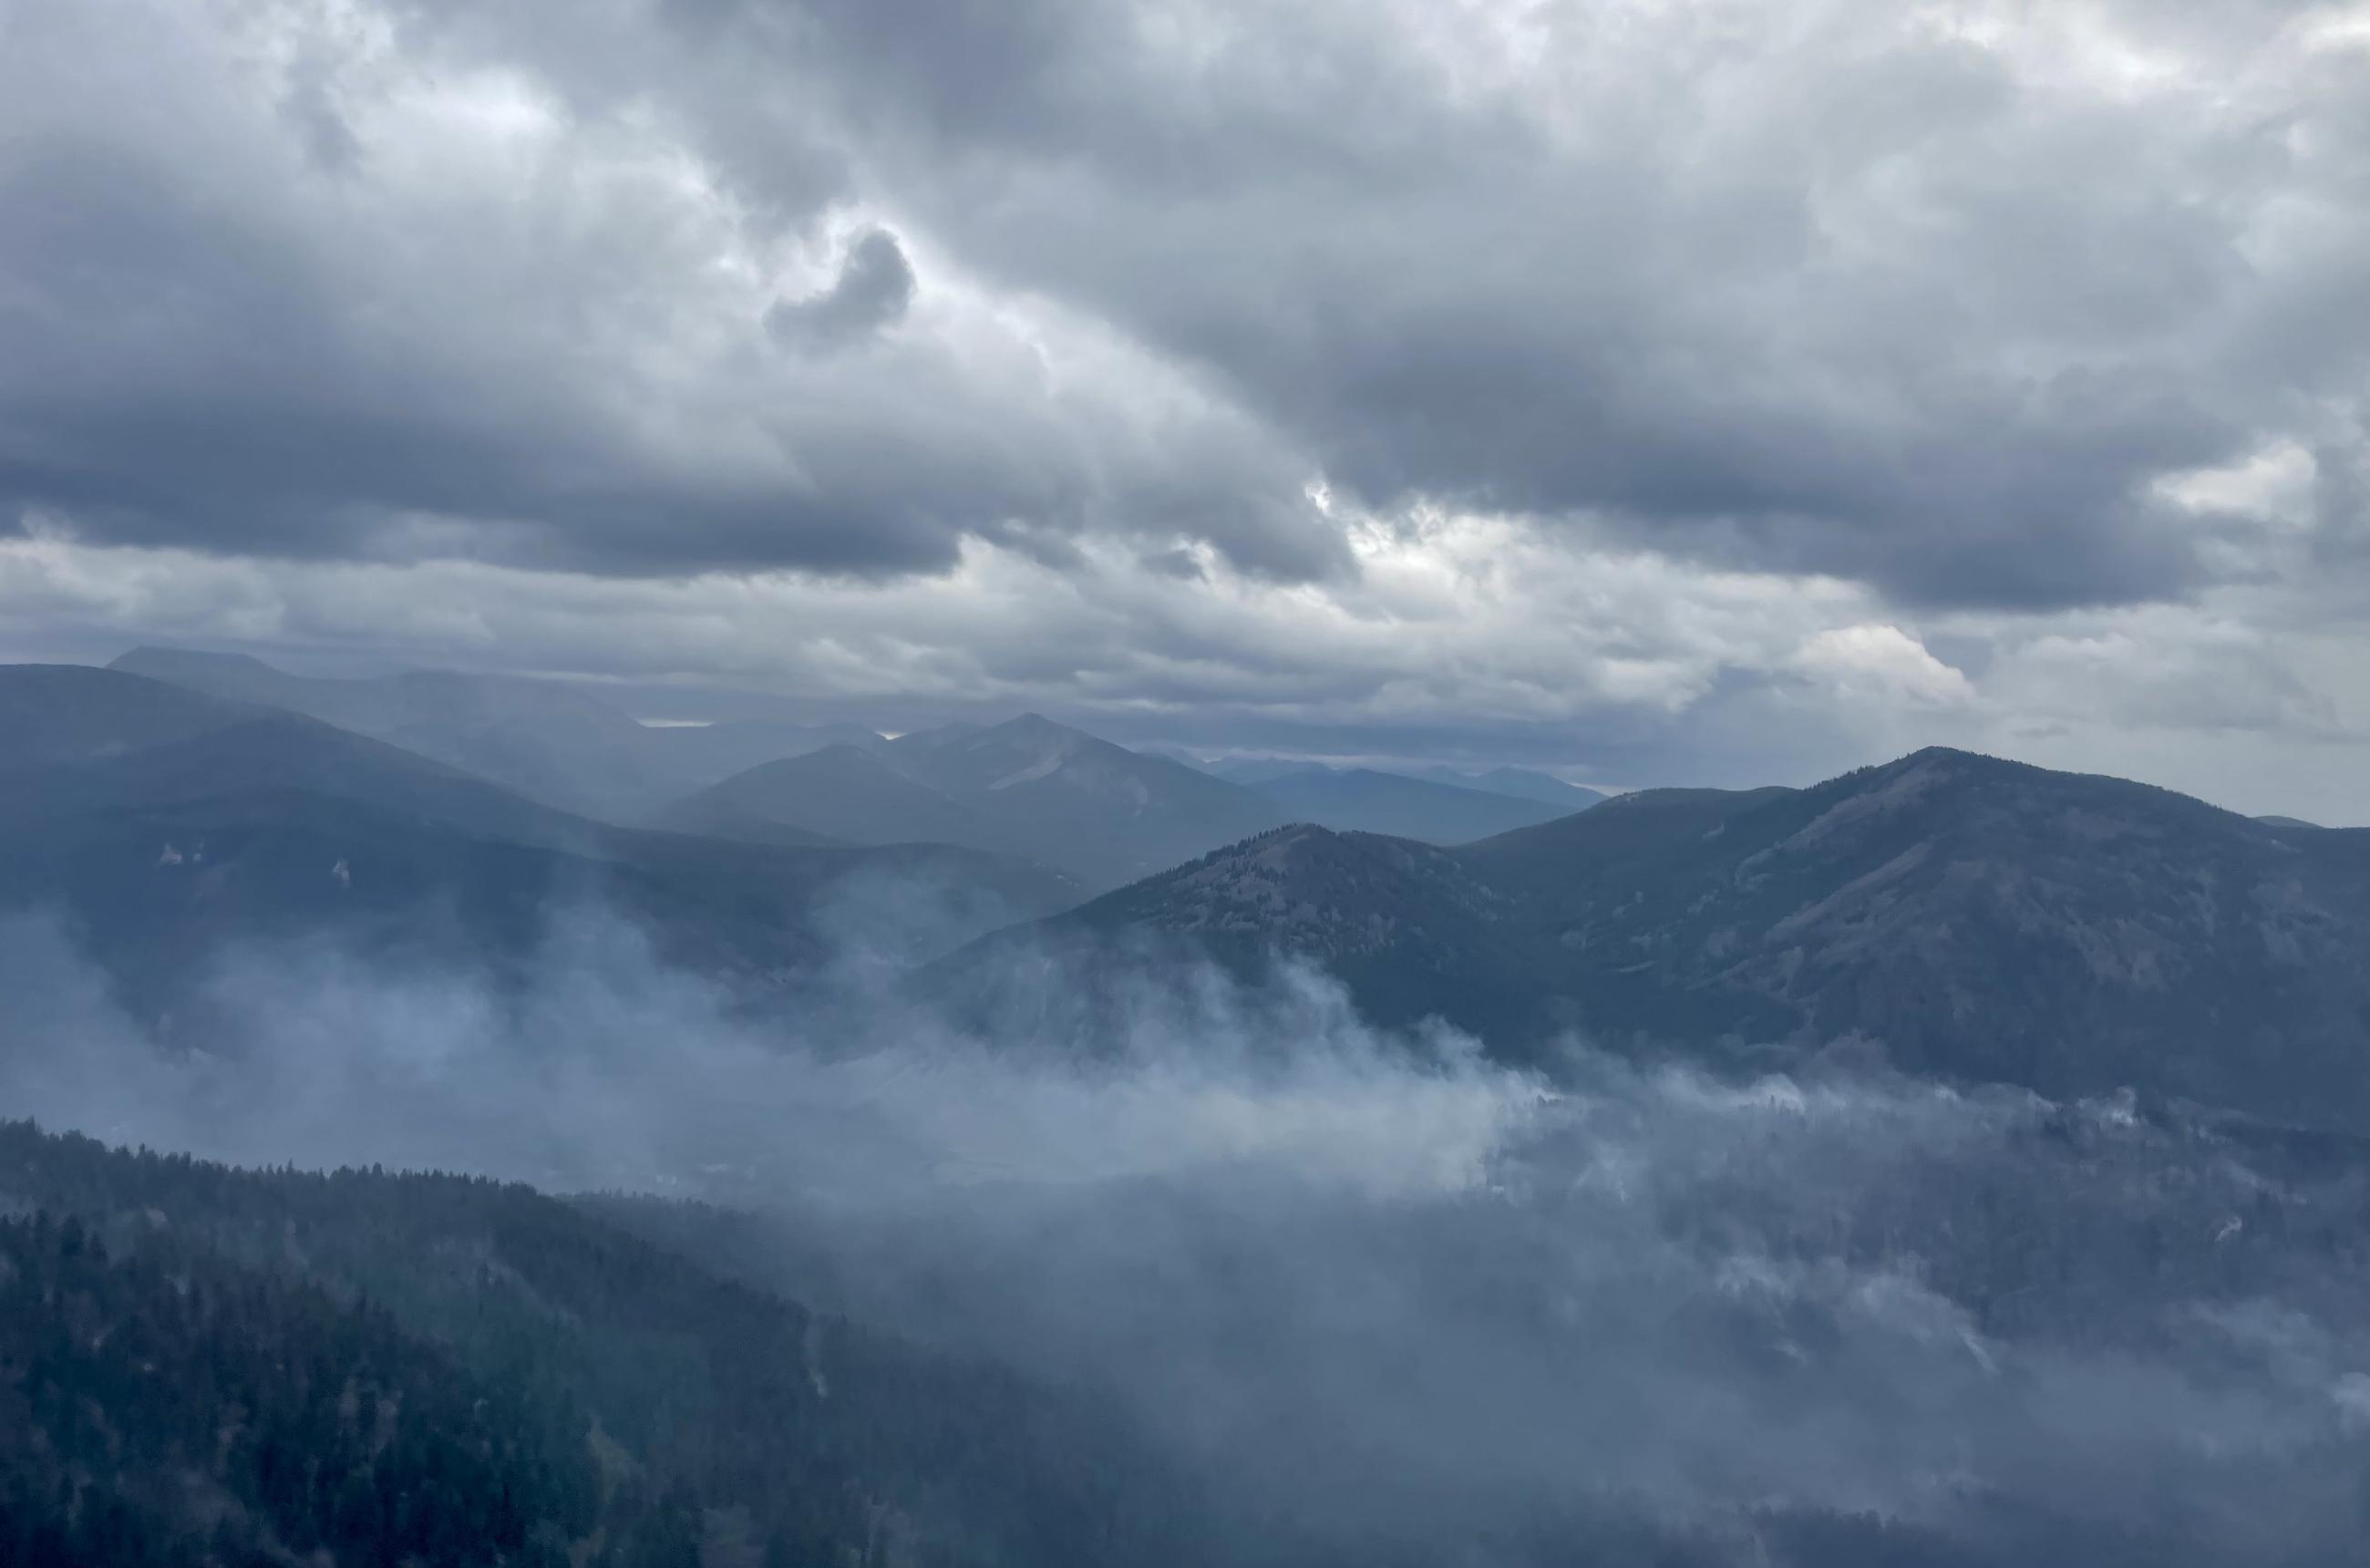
(1028,788)
(1364,800)
(1948,914)
(165,823)
(1521,783)
(1132,1349)
(1101,812)
(542,738)
(1516,783)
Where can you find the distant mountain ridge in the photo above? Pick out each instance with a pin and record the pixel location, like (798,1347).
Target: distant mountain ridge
(542,738)
(1947,912)
(1363,801)
(1953,914)
(1027,787)
(165,823)
(1521,783)
(852,794)
(1513,783)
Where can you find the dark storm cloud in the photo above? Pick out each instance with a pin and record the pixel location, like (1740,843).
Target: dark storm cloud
(1771,288)
(177,376)
(1109,319)
(468,295)
(875,285)
(325,135)
(1836,292)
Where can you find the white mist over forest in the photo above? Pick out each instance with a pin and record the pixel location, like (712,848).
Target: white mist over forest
(1166,783)
(1371,1278)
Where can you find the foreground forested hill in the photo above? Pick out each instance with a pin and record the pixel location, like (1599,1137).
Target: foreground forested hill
(219,1368)
(203,1365)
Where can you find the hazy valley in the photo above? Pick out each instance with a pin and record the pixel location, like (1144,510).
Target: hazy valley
(994,1144)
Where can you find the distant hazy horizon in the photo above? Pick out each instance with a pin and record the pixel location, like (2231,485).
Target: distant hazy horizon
(1716,393)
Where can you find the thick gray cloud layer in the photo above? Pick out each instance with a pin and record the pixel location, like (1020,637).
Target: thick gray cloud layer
(2016,340)
(874,286)
(1846,288)
(332,280)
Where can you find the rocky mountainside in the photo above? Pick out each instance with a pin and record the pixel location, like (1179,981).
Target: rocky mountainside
(1949,913)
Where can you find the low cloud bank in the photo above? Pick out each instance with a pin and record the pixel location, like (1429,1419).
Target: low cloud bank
(1380,1286)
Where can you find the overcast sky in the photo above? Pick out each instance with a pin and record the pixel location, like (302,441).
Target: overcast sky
(1724,391)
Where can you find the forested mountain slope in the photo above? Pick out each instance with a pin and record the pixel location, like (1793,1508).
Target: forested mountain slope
(1988,920)
(1953,914)
(202,1363)
(206,1366)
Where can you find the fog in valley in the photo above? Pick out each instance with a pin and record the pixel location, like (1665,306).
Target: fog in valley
(1184,784)
(1368,1287)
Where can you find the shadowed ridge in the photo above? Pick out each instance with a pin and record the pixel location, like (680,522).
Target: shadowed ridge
(1399,923)
(1974,917)
(1043,790)
(1966,917)
(1372,801)
(849,793)
(163,823)
(159,656)
(66,713)
(1645,830)
(545,738)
